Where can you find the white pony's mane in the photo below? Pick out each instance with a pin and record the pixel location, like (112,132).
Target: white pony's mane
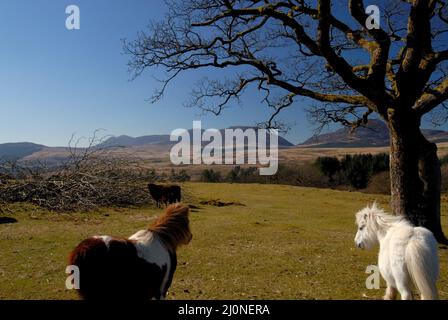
(378,215)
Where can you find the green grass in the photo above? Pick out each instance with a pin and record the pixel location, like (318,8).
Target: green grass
(285,243)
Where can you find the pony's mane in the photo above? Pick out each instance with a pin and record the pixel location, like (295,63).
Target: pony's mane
(173,226)
(382,218)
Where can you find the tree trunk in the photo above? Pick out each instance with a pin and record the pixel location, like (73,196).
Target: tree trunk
(414,174)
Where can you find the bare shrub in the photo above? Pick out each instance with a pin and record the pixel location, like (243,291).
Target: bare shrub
(379,184)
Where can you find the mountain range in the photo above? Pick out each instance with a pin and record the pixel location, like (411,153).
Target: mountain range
(374,134)
(164,139)
(151,143)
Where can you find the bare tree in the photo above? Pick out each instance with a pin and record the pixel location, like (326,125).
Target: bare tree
(322,50)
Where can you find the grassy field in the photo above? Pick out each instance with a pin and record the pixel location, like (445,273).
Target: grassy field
(284,242)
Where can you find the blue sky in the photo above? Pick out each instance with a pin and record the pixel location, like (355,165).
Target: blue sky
(55,82)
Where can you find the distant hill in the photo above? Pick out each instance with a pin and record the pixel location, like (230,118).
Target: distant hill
(127,141)
(15,151)
(374,134)
(282,142)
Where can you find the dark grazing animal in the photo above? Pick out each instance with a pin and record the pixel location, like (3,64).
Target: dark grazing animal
(138,268)
(165,194)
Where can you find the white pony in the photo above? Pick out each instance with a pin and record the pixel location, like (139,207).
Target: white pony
(406,252)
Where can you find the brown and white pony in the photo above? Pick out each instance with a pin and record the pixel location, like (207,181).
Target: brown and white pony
(140,267)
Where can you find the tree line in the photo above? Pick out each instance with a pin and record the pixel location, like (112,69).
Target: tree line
(353,171)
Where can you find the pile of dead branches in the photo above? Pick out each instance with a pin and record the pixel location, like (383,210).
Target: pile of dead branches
(81,190)
(89,179)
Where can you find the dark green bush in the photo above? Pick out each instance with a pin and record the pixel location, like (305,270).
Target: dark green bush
(210,175)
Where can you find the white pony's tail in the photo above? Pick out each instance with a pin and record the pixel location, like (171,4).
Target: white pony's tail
(423,263)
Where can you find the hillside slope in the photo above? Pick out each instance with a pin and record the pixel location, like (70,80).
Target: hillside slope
(374,134)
